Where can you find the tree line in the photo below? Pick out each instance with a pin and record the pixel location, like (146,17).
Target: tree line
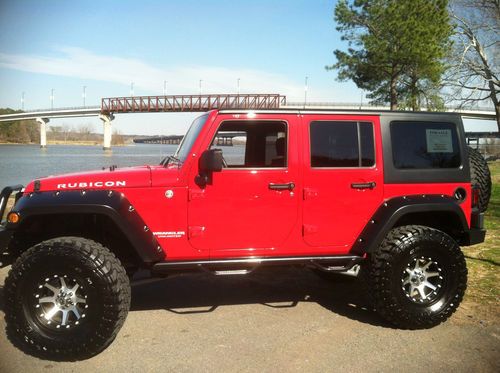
(28,132)
(421,54)
(24,132)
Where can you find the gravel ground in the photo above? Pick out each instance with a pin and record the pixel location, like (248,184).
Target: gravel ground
(280,320)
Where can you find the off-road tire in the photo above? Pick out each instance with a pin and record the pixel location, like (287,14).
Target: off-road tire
(87,263)
(384,275)
(480,176)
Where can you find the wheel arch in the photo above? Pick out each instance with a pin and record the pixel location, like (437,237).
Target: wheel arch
(434,211)
(104,216)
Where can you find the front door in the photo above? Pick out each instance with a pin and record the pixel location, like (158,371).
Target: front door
(251,206)
(343,179)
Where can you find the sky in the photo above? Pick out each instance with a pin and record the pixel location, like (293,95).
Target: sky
(271,46)
(106,45)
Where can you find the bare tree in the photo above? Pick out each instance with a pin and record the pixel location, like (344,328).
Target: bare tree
(85,131)
(66,129)
(117,138)
(474,74)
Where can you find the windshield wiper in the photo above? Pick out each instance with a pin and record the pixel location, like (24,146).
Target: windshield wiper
(169,158)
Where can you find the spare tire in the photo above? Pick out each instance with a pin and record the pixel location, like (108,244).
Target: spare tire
(480,176)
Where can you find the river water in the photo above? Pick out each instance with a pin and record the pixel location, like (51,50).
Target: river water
(20,164)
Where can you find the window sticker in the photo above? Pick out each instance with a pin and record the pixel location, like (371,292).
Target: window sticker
(439,141)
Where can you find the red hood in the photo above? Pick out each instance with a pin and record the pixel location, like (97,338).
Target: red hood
(129,177)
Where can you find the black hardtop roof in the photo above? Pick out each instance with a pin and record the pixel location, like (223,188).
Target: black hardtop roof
(396,113)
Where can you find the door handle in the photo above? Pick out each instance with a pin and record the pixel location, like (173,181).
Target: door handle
(287,186)
(369,185)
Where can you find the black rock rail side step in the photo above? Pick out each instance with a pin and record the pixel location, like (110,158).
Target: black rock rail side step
(241,266)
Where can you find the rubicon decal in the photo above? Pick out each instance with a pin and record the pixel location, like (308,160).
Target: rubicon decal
(172,234)
(92,184)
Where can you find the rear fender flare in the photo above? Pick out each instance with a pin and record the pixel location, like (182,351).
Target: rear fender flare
(388,214)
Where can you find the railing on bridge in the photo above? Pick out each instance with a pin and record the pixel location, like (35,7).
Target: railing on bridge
(191,103)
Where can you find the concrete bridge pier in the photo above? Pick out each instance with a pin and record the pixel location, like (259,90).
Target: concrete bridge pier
(106,121)
(43,131)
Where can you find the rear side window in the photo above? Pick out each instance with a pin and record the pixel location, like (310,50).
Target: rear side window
(342,144)
(424,145)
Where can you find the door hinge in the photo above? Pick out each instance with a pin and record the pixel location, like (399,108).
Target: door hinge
(310,193)
(196,194)
(309,229)
(196,231)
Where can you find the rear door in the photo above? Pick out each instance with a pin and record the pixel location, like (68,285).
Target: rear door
(343,178)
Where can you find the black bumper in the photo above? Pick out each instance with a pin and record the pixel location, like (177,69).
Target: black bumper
(4,197)
(6,234)
(474,236)
(477,232)
(5,238)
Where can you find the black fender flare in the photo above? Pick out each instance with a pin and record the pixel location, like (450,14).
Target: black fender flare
(100,202)
(394,209)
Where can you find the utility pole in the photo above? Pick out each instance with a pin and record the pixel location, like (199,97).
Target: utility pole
(132,89)
(200,85)
(22,101)
(238,86)
(52,98)
(305,92)
(164,88)
(84,94)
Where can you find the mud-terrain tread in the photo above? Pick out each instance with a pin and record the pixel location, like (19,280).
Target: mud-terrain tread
(117,297)
(379,270)
(480,175)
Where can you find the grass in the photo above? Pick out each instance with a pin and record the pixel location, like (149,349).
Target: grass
(483,260)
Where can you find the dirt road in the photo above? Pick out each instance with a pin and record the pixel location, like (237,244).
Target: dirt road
(289,320)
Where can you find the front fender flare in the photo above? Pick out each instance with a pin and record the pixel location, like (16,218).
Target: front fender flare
(101,202)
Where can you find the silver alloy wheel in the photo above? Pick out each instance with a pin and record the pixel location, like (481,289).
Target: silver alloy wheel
(61,302)
(422,279)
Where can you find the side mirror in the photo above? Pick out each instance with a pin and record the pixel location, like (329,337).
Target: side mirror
(210,161)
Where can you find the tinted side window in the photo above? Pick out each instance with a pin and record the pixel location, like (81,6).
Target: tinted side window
(252,144)
(424,145)
(342,144)
(367,144)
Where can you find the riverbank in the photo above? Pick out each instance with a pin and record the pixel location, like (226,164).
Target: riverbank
(77,143)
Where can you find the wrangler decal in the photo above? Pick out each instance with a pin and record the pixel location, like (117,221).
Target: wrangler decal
(173,234)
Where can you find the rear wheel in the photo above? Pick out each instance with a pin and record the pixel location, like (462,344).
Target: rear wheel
(417,277)
(66,299)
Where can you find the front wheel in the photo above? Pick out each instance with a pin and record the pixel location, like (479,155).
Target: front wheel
(417,277)
(66,299)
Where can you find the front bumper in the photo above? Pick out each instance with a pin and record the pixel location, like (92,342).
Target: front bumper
(6,235)
(5,238)
(5,195)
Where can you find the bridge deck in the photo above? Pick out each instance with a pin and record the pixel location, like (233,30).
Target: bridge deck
(191,103)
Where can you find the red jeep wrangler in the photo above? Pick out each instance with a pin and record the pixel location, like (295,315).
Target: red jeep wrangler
(389,193)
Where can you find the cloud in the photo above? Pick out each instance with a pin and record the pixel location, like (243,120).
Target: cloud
(81,63)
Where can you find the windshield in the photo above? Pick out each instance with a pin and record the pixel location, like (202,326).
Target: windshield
(189,138)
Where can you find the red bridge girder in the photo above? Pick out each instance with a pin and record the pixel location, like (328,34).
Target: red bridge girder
(190,103)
